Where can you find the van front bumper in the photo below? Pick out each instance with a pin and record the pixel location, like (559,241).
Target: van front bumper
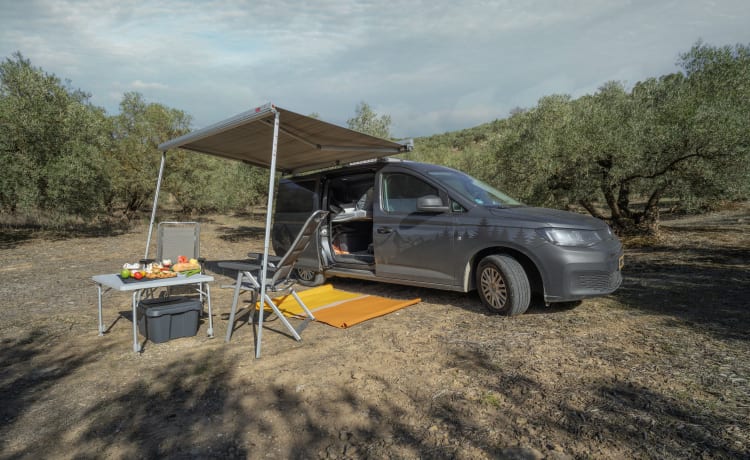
(579,273)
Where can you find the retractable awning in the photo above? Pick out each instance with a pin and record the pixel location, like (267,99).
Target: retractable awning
(304,143)
(280,140)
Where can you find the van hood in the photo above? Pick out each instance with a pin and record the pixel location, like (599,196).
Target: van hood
(545,217)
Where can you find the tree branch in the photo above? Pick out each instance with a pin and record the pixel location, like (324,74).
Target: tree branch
(670,166)
(591,209)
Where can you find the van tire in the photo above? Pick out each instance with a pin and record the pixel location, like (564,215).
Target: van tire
(502,285)
(309,277)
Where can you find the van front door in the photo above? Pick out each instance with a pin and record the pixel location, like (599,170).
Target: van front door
(411,245)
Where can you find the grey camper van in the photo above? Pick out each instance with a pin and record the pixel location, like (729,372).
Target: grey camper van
(425,225)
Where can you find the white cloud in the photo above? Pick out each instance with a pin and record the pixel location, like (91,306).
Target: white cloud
(433,66)
(141,85)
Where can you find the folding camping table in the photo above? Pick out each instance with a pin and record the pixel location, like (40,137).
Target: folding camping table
(115,282)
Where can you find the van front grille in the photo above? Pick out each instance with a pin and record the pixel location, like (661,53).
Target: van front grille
(598,281)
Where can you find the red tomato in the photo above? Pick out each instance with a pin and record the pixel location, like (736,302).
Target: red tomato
(182,259)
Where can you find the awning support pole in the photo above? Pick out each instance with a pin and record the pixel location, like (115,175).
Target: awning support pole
(266,242)
(156,201)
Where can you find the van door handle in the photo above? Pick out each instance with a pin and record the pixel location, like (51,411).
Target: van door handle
(384,230)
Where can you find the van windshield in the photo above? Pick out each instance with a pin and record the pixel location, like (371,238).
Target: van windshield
(474,189)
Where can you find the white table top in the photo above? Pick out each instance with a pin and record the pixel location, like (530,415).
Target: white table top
(113,281)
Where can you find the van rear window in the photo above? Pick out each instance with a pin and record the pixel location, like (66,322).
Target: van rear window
(296,196)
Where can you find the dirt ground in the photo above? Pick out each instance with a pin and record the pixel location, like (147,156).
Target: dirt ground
(660,369)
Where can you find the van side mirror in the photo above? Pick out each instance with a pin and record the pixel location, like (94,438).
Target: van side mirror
(432,204)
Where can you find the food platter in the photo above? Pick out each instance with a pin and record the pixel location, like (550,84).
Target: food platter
(149,277)
(148,270)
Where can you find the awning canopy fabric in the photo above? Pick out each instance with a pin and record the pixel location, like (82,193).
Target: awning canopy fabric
(304,143)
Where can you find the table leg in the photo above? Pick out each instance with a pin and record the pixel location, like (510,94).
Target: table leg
(210,315)
(136,345)
(101,324)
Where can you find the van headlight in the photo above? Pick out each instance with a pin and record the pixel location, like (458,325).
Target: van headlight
(570,236)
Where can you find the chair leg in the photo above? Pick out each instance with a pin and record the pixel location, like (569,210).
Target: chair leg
(310,318)
(233,311)
(282,318)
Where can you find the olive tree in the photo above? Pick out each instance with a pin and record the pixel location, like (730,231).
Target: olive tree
(618,154)
(137,131)
(367,121)
(692,138)
(51,143)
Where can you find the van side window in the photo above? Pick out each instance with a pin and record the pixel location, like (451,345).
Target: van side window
(400,192)
(296,197)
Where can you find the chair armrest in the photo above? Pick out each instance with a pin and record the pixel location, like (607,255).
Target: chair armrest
(272,260)
(241,266)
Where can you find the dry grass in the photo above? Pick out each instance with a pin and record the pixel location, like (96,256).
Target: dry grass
(657,370)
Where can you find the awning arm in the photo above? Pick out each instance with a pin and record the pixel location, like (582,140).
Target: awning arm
(291,134)
(156,201)
(267,240)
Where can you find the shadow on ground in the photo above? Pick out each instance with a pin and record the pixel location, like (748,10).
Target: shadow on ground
(706,287)
(615,418)
(11,237)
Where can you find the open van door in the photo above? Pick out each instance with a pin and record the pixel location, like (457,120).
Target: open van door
(296,200)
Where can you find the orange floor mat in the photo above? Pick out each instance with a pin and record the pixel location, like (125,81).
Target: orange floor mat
(340,308)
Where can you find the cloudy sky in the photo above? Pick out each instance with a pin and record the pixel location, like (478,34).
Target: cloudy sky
(434,65)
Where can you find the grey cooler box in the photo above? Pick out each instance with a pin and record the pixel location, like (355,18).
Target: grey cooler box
(164,319)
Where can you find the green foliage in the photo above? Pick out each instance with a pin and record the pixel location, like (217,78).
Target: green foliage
(367,121)
(201,183)
(617,153)
(44,125)
(134,161)
(18,182)
(75,181)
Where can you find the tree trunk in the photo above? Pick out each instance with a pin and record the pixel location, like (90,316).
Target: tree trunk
(623,200)
(649,220)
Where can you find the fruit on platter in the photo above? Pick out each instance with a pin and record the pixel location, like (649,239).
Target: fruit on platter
(185,266)
(153,270)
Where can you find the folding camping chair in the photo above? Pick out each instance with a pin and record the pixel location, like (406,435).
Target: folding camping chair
(176,239)
(279,281)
